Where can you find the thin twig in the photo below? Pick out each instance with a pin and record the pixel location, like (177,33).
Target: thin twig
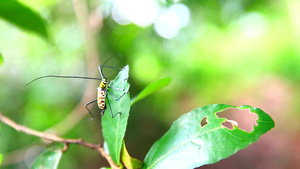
(108,158)
(44,135)
(55,138)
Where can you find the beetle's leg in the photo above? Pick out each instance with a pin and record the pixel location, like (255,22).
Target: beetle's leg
(124,83)
(111,113)
(88,108)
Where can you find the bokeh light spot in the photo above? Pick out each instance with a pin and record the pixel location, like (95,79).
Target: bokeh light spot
(253,25)
(142,13)
(146,68)
(171,20)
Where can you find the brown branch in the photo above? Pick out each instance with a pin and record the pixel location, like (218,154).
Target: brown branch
(55,138)
(108,158)
(44,135)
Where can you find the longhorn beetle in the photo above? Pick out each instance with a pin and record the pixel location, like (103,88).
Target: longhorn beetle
(102,90)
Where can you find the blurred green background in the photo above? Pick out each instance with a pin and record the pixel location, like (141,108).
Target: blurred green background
(218,51)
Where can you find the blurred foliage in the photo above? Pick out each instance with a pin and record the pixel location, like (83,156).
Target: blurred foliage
(22,16)
(232,52)
(0,159)
(49,158)
(1,59)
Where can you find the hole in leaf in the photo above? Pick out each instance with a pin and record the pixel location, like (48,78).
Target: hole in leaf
(230,124)
(203,122)
(243,119)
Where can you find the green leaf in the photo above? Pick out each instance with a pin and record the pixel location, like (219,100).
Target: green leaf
(114,128)
(188,145)
(48,159)
(151,88)
(23,17)
(1,59)
(129,162)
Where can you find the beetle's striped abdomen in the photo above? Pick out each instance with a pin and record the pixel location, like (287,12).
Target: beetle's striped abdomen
(101,98)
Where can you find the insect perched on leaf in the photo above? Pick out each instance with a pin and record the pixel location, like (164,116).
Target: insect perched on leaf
(103,90)
(102,94)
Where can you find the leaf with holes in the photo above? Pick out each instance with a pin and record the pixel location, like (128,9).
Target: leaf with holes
(23,17)
(48,159)
(151,88)
(114,128)
(188,145)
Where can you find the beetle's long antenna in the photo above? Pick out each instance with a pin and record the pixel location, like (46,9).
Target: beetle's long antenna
(101,67)
(111,67)
(71,77)
(100,70)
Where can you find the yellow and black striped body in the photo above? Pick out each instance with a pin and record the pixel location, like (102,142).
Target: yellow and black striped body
(102,92)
